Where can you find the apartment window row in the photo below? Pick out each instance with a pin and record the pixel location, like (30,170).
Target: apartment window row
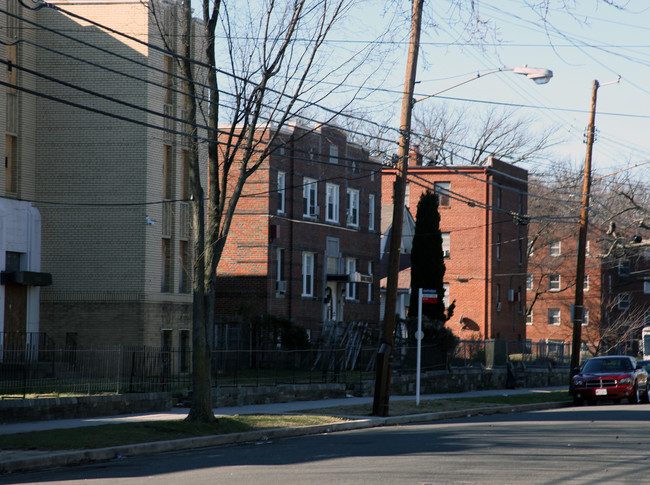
(554,282)
(332,210)
(554,317)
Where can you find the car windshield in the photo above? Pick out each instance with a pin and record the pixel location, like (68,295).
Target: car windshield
(607,365)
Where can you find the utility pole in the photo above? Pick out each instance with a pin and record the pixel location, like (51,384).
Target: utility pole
(578,306)
(384,356)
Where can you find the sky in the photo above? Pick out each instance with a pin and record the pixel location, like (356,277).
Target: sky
(593,41)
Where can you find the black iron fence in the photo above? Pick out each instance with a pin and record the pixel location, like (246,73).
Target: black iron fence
(28,370)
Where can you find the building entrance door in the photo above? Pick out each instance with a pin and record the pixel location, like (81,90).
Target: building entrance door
(15,322)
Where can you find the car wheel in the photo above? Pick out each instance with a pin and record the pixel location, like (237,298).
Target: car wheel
(634,397)
(645,397)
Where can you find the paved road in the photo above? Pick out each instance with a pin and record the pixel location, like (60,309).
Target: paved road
(602,444)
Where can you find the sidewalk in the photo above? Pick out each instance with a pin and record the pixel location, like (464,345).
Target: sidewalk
(11,461)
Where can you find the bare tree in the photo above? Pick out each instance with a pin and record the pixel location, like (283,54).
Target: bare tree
(271,50)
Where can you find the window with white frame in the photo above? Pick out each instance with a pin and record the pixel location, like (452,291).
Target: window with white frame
(555,248)
(282,178)
(309,200)
(332,203)
(446,245)
(371,212)
(351,288)
(529,318)
(585,318)
(554,316)
(353,208)
(334,153)
(445,297)
(554,282)
(441,189)
(308,274)
(529,281)
(623,301)
(585,286)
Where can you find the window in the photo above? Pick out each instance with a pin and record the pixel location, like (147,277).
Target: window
(520,205)
(280,283)
(585,286)
(554,316)
(529,318)
(623,267)
(370,272)
(185,222)
(499,197)
(281,191)
(441,189)
(308,274)
(166,273)
(646,287)
(623,301)
(351,288)
(184,347)
(554,281)
(309,206)
(334,153)
(498,297)
(353,208)
(529,281)
(530,248)
(371,212)
(407,195)
(445,296)
(446,245)
(585,319)
(185,282)
(332,203)
(555,248)
(498,247)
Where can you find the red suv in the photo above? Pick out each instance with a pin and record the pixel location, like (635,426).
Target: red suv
(610,377)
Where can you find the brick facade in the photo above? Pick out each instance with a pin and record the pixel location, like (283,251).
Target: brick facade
(486,264)
(264,233)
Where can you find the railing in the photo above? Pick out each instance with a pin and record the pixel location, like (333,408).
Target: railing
(46,371)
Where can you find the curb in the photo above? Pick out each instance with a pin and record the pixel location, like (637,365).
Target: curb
(78,457)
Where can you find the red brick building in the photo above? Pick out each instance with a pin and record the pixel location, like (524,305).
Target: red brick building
(304,242)
(484,230)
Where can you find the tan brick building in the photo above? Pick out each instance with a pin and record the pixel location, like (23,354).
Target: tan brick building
(484,242)
(108,177)
(304,243)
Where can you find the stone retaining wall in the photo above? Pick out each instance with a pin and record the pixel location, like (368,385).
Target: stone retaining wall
(458,380)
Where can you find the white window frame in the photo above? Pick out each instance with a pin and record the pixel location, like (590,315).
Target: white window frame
(529,282)
(442,190)
(555,249)
(371,212)
(585,318)
(310,197)
(554,317)
(353,208)
(445,297)
(282,181)
(554,282)
(308,274)
(446,244)
(334,153)
(585,286)
(350,288)
(332,203)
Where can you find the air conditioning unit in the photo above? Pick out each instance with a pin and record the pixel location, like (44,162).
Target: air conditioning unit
(281,286)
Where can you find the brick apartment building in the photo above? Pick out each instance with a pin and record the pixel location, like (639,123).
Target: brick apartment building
(115,237)
(304,243)
(484,236)
(616,291)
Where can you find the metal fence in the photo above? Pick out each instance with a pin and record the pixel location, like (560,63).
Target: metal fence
(27,371)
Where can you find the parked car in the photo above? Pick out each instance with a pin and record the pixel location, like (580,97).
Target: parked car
(612,377)
(645,364)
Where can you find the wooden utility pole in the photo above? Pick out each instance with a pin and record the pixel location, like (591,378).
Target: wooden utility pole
(578,306)
(384,356)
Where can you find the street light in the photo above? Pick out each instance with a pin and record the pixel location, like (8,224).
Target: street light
(384,356)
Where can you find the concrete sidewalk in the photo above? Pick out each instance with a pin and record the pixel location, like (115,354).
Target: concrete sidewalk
(12,461)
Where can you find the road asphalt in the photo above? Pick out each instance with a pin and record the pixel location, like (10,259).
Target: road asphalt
(23,460)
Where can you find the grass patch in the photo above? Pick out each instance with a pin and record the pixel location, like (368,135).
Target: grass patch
(106,435)
(402,407)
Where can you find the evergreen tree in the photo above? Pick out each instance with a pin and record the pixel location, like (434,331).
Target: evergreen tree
(427,272)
